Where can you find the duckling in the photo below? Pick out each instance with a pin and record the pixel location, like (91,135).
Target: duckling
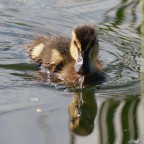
(68,59)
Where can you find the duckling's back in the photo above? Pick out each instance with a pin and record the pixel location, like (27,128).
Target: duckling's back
(51,52)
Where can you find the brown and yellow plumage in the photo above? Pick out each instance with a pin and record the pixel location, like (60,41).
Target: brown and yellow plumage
(69,58)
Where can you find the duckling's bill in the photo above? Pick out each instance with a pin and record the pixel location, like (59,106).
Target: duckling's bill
(82,64)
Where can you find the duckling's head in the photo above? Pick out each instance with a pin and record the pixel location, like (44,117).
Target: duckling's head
(84,48)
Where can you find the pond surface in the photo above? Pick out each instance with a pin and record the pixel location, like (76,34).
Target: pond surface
(33,112)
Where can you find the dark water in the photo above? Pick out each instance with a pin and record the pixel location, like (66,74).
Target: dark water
(32,112)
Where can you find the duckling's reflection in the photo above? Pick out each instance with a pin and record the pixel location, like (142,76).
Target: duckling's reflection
(82,111)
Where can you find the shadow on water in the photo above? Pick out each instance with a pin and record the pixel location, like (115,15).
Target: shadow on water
(19,66)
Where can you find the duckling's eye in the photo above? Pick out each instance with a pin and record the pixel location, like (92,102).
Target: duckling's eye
(75,43)
(72,120)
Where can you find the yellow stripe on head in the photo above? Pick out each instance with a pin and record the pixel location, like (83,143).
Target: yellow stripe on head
(75,47)
(75,39)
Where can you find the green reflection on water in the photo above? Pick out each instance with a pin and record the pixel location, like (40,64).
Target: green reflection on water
(83,109)
(142,65)
(112,106)
(19,66)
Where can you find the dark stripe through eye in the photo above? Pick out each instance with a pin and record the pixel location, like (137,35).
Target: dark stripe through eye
(75,43)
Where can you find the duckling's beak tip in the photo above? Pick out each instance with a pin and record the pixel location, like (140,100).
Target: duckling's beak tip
(79,66)
(82,66)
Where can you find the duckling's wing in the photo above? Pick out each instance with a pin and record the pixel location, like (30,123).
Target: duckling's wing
(51,52)
(37,49)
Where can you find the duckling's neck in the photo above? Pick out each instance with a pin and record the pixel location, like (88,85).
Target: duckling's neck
(95,66)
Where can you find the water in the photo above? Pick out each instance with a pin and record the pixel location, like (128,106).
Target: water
(31,111)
